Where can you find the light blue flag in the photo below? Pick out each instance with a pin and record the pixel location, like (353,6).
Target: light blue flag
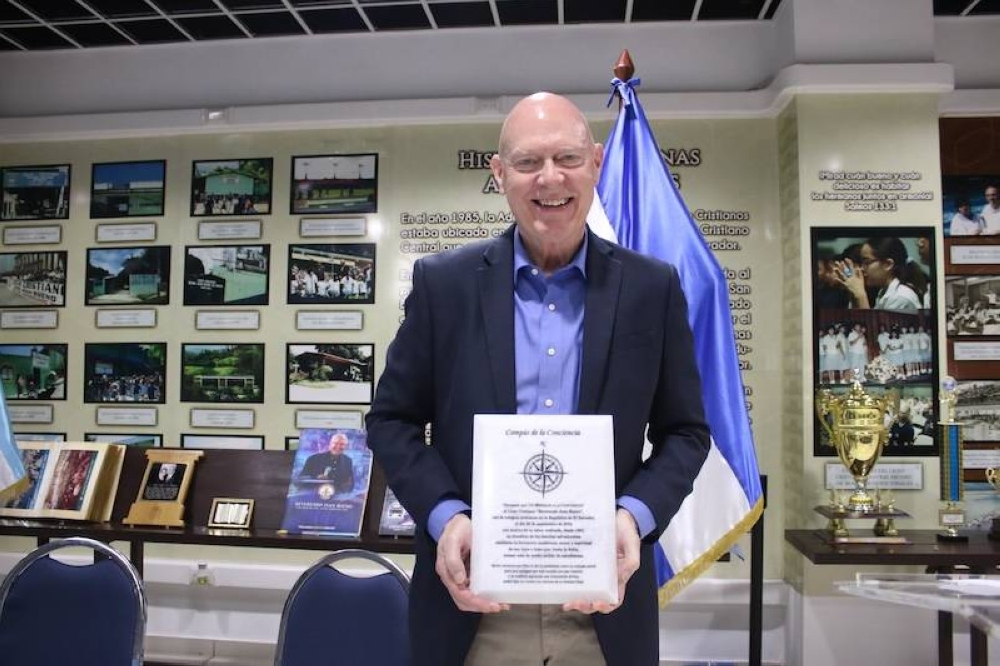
(12,476)
(647,214)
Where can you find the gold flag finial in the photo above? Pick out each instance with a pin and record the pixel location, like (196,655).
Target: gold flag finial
(624,68)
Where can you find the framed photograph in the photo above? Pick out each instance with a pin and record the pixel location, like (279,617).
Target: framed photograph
(231,187)
(125,372)
(291,443)
(35,192)
(33,279)
(127,189)
(222,372)
(231,513)
(972,305)
(874,321)
(330,373)
(33,372)
(335,273)
(977,407)
(243,442)
(226,274)
(128,275)
(971,205)
(141,440)
(334,184)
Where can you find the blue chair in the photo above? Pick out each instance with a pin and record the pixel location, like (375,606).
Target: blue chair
(334,618)
(86,615)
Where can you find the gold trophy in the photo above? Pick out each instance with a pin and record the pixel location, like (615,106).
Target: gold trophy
(855,423)
(952,516)
(993,478)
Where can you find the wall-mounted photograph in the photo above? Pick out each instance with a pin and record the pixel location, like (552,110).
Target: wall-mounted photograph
(226,274)
(977,407)
(128,275)
(874,321)
(222,372)
(140,440)
(231,187)
(125,372)
(330,373)
(35,192)
(331,273)
(971,205)
(127,189)
(32,279)
(334,184)
(33,372)
(972,304)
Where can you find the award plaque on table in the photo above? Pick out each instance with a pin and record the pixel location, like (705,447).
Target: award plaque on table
(543,509)
(164,488)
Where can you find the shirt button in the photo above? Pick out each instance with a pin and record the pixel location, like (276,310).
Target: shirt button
(549,402)
(534,271)
(552,307)
(551,351)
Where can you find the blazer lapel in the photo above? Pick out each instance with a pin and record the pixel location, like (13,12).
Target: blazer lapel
(496,298)
(604,275)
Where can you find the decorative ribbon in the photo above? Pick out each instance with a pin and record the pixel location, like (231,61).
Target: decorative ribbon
(624,89)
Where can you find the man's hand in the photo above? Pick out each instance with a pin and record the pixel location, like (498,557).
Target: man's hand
(627,544)
(452,566)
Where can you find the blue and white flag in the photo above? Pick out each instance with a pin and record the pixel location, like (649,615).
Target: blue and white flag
(13,479)
(647,214)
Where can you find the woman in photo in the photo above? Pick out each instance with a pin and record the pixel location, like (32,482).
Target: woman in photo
(884,265)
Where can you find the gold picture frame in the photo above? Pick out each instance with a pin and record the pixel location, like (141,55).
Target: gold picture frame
(231,513)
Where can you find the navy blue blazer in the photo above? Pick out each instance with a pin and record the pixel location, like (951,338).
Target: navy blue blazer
(453,357)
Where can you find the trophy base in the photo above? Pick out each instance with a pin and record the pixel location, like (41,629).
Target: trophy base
(884,527)
(950,537)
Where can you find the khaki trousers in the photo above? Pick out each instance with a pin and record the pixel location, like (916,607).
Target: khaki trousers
(533,635)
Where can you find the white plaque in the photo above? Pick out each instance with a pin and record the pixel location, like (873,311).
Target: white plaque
(126,233)
(236,320)
(221,418)
(884,476)
(330,419)
(126,416)
(980,458)
(29,319)
(977,351)
(30,413)
(229,230)
(47,234)
(543,498)
(332,226)
(975,254)
(126,318)
(329,320)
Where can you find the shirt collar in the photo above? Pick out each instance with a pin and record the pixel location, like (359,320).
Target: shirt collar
(521,260)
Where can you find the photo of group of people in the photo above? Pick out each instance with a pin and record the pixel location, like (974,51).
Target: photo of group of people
(231,187)
(977,408)
(33,372)
(32,279)
(971,205)
(972,305)
(125,372)
(874,322)
(331,273)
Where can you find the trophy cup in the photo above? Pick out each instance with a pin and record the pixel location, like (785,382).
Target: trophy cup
(952,516)
(993,478)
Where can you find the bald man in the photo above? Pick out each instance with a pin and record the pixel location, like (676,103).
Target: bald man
(546,319)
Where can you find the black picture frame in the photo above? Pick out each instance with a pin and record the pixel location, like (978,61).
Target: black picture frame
(33,372)
(970,190)
(888,332)
(128,276)
(222,373)
(137,439)
(125,372)
(231,187)
(33,279)
(127,189)
(329,373)
(227,275)
(331,273)
(334,184)
(35,192)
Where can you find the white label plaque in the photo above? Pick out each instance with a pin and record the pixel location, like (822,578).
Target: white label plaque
(126,233)
(126,318)
(977,351)
(222,418)
(30,319)
(237,320)
(333,226)
(329,320)
(330,419)
(229,230)
(126,416)
(980,458)
(543,509)
(975,254)
(884,476)
(48,234)
(30,413)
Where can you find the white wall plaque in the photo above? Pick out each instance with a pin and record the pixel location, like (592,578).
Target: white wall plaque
(333,419)
(229,230)
(884,476)
(977,351)
(29,319)
(126,416)
(126,318)
(41,235)
(329,320)
(208,320)
(975,254)
(332,226)
(222,418)
(980,458)
(126,233)
(30,413)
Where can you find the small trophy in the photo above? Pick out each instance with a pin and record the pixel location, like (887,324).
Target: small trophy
(952,516)
(993,478)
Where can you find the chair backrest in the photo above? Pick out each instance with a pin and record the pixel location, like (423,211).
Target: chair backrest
(331,617)
(52,612)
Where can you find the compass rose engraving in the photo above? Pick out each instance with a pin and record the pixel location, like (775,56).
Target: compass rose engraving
(543,472)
